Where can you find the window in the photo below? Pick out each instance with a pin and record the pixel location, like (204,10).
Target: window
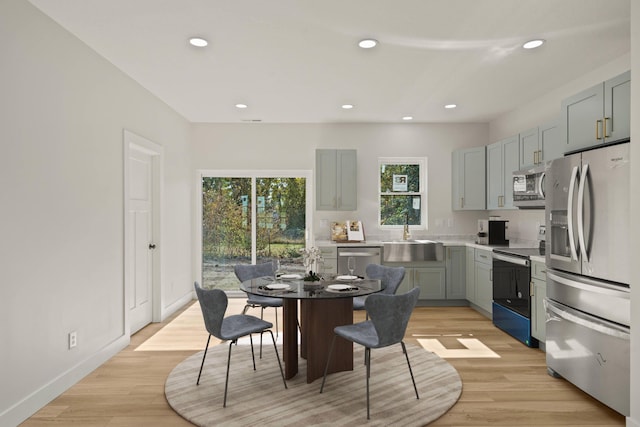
(251,217)
(402,189)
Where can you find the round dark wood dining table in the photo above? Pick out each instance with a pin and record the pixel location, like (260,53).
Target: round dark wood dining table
(324,305)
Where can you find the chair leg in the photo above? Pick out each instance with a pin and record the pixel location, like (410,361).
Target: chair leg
(326,368)
(203,357)
(261,318)
(406,354)
(367,353)
(226,382)
(253,357)
(275,347)
(277,332)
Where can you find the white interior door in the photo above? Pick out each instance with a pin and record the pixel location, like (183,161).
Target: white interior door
(140,239)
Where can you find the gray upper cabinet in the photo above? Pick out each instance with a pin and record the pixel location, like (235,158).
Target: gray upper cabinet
(540,144)
(597,115)
(502,160)
(550,145)
(468,179)
(336,180)
(529,148)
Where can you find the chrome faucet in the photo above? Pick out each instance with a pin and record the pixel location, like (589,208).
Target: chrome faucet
(405,233)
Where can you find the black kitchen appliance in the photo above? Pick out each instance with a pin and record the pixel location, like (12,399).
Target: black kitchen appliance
(493,232)
(512,292)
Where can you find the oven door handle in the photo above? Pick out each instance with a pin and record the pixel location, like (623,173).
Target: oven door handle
(512,260)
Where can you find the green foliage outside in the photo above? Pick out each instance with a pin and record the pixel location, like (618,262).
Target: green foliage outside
(226,218)
(396,205)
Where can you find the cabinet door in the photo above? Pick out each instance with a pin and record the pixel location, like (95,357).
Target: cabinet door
(468,189)
(582,118)
(407,283)
(470,275)
(484,287)
(510,163)
(456,274)
(347,180)
(538,315)
(326,180)
(431,281)
(529,148)
(617,107)
(495,184)
(550,144)
(336,180)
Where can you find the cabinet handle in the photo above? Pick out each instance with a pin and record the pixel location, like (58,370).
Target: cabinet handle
(491,274)
(462,202)
(540,156)
(535,157)
(605,127)
(598,123)
(531,293)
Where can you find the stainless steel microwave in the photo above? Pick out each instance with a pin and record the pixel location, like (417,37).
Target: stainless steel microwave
(528,187)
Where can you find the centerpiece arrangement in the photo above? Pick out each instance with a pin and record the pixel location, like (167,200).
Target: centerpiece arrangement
(311,258)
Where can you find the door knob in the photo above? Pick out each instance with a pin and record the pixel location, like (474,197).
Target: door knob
(152,246)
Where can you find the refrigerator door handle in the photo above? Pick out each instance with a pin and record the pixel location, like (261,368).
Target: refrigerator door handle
(572,242)
(581,239)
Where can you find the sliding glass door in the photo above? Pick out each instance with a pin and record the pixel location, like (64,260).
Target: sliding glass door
(251,218)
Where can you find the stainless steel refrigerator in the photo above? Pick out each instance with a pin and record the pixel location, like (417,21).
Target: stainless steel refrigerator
(588,272)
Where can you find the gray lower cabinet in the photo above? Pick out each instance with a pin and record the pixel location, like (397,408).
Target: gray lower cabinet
(539,286)
(431,281)
(481,293)
(430,277)
(470,278)
(456,272)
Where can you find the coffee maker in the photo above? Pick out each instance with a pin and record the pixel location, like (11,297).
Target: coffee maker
(493,232)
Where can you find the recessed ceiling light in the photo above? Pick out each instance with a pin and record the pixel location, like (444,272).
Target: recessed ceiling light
(241,106)
(347,106)
(450,106)
(532,44)
(407,118)
(198,42)
(367,43)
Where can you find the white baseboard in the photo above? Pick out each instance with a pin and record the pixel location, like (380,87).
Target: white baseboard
(177,305)
(41,397)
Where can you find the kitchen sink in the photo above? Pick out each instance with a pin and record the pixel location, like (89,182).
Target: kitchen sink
(412,250)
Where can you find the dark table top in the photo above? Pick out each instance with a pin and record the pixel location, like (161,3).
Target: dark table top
(299,289)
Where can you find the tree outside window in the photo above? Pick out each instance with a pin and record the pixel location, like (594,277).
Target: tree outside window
(402,192)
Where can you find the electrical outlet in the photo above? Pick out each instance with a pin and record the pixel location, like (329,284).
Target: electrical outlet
(73,339)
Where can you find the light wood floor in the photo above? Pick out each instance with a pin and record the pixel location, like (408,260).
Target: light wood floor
(511,390)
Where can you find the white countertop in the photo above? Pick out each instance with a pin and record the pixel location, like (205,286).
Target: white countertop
(446,242)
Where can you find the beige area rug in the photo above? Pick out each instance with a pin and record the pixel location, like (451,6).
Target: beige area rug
(259,397)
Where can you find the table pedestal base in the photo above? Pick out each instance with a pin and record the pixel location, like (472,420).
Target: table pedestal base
(318,318)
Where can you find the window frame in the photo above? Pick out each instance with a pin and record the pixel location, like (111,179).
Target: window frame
(423,193)
(253,175)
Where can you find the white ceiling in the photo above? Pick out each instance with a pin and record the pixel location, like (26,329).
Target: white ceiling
(297,61)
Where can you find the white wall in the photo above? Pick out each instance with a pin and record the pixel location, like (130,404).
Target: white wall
(292,146)
(634,419)
(63,110)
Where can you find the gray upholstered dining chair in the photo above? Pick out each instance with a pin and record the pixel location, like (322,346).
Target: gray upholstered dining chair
(391,277)
(389,318)
(247,272)
(213,303)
